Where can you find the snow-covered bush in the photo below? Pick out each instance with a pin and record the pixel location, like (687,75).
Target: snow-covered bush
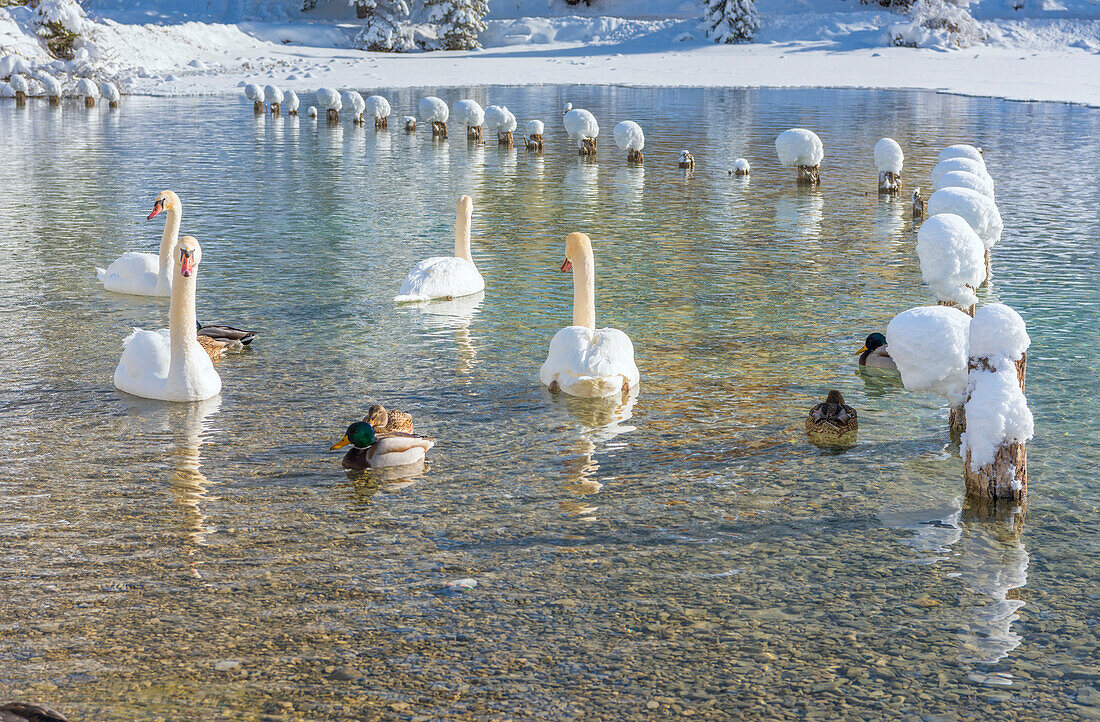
(460,22)
(939,23)
(730,21)
(60,23)
(952,259)
(385,29)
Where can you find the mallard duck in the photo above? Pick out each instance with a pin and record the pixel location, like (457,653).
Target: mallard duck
(376,451)
(232,337)
(833,418)
(874,354)
(23,712)
(214,349)
(389,421)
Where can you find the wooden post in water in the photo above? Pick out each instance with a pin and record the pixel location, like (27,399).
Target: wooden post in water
(1006,476)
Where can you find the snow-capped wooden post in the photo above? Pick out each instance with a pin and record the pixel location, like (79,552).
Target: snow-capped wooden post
(961,170)
(687,160)
(256,94)
(410,124)
(918,204)
(629,137)
(801,148)
(110,93)
(274,99)
(352,99)
(503,121)
(999,422)
(433,110)
(292,103)
(976,209)
(378,107)
(533,139)
(951,260)
(740,168)
(582,129)
(469,112)
(52,87)
(929,345)
(329,99)
(889,160)
(20,86)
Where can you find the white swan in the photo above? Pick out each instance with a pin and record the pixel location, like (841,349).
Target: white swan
(584,360)
(446,276)
(147,274)
(169,364)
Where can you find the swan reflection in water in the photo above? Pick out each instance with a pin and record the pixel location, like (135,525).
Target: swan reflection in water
(187,427)
(600,421)
(454,316)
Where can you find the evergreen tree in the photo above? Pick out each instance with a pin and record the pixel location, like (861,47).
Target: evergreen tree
(731,21)
(383,31)
(459,22)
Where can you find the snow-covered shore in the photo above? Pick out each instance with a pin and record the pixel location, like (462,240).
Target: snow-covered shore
(842,45)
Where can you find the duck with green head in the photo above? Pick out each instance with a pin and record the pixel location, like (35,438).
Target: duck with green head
(375,451)
(874,355)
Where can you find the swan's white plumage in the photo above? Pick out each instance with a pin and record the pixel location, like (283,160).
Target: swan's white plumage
(535,127)
(109,91)
(590,362)
(273,94)
(292,101)
(580,124)
(469,112)
(799,146)
(144,368)
(378,107)
(440,277)
(86,88)
(629,136)
(889,157)
(133,273)
(433,110)
(329,99)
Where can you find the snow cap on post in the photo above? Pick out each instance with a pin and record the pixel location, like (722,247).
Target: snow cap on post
(329,99)
(535,127)
(929,344)
(629,136)
(961,150)
(889,157)
(952,164)
(952,259)
(998,333)
(965,179)
(469,112)
(433,110)
(975,208)
(996,415)
(273,94)
(496,117)
(580,124)
(378,106)
(292,101)
(799,146)
(86,88)
(109,91)
(50,84)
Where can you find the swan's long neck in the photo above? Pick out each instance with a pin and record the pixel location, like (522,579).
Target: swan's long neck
(462,234)
(167,243)
(181,325)
(584,291)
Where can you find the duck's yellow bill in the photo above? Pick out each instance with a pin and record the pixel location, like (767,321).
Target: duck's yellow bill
(340,444)
(860,352)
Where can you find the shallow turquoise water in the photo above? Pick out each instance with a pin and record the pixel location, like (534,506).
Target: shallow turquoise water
(689,550)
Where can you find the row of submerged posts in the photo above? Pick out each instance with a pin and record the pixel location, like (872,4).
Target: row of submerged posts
(975,358)
(42,84)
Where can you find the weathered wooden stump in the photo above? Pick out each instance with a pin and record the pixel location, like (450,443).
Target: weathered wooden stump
(809,175)
(276,109)
(20,98)
(382,123)
(588,148)
(410,125)
(114,104)
(258,107)
(473,133)
(534,142)
(332,115)
(439,129)
(1006,477)
(635,157)
(55,100)
(918,205)
(505,139)
(889,182)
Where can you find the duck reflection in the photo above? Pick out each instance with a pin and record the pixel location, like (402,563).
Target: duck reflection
(187,425)
(365,484)
(599,422)
(993,564)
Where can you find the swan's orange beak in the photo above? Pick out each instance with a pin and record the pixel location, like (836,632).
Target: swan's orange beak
(158,206)
(567,266)
(187,264)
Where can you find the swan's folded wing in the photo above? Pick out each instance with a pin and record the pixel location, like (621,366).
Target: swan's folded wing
(612,354)
(441,277)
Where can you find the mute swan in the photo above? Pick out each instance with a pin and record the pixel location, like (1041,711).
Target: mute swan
(169,364)
(446,276)
(147,274)
(584,360)
(376,451)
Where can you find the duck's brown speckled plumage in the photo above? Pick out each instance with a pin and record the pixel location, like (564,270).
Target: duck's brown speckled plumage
(389,421)
(832,417)
(25,712)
